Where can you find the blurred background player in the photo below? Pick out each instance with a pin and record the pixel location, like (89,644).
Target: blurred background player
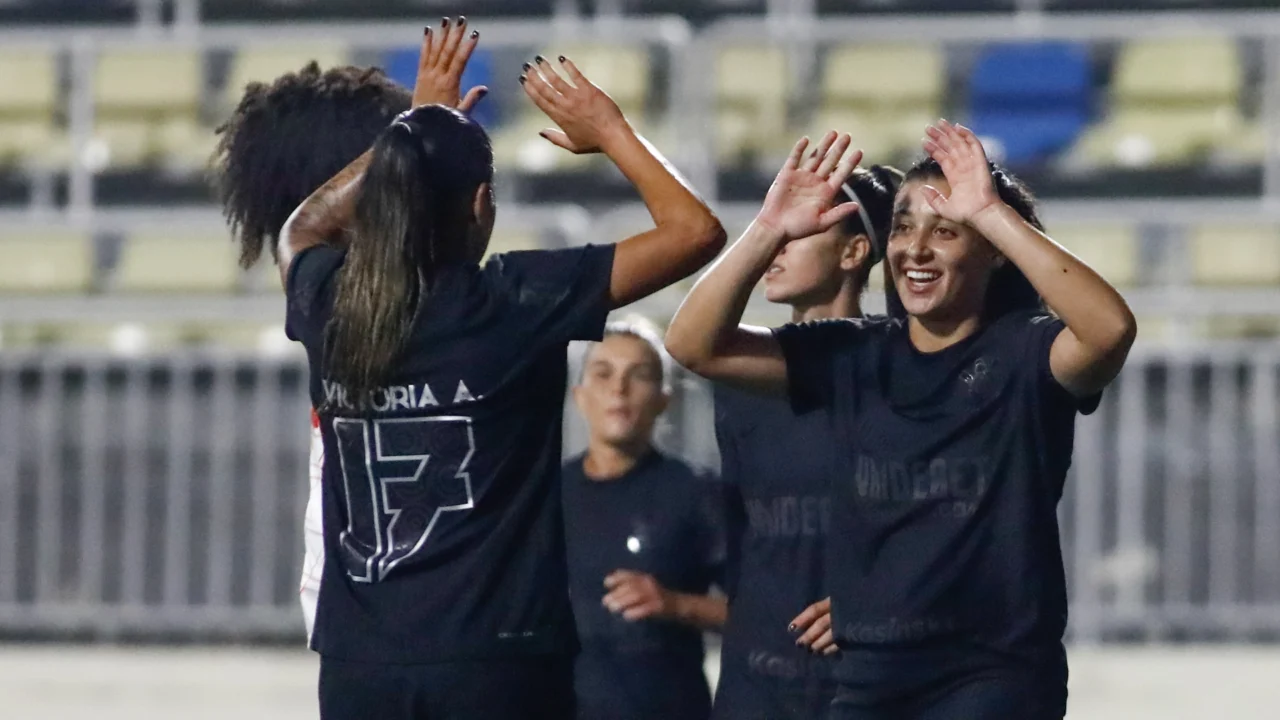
(645,543)
(440,387)
(777,468)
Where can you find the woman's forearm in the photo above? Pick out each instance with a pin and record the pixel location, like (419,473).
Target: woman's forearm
(1093,310)
(705,612)
(705,335)
(324,212)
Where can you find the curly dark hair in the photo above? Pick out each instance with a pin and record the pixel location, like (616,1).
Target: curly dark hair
(287,138)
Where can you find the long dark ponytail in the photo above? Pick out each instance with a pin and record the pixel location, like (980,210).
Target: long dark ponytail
(412,216)
(1009,289)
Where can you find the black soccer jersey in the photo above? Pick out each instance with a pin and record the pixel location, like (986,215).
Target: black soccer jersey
(944,553)
(442,525)
(662,519)
(776,468)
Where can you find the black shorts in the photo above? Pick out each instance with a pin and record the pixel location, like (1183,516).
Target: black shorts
(988,696)
(537,688)
(658,687)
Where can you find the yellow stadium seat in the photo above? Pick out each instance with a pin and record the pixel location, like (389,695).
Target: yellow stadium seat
(751,101)
(134,83)
(1183,69)
(184,143)
(29,101)
(884,75)
(1233,327)
(1159,137)
(45,261)
(1111,250)
(868,136)
(177,263)
(28,81)
(125,338)
(34,142)
(268,62)
(258,337)
(122,143)
(517,145)
(1235,255)
(624,71)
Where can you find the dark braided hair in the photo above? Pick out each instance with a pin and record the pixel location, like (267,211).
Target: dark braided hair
(1009,289)
(287,138)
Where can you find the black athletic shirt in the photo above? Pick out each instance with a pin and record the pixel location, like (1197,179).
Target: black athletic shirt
(945,554)
(660,518)
(776,467)
(442,527)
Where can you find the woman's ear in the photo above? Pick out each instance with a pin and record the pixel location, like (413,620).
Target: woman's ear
(856,252)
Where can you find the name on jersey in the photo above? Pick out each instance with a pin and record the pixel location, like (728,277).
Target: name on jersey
(397,397)
(789,516)
(954,486)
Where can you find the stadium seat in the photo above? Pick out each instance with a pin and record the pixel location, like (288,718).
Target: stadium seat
(266,63)
(1111,250)
(29,104)
(751,102)
(1030,101)
(1235,255)
(896,89)
(45,261)
(1174,102)
(265,339)
(401,66)
(138,92)
(867,137)
(623,72)
(177,263)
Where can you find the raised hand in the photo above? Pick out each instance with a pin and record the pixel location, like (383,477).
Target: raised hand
(441,63)
(814,626)
(799,202)
(587,116)
(964,164)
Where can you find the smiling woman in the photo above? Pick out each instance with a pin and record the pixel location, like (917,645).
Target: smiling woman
(954,423)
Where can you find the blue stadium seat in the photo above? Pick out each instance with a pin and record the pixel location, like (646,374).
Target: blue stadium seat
(402,66)
(1032,99)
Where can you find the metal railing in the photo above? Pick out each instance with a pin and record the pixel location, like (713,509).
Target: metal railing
(164,496)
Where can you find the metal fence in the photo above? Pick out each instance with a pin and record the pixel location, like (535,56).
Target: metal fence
(163,496)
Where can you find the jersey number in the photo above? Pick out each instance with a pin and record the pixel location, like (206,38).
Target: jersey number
(400,476)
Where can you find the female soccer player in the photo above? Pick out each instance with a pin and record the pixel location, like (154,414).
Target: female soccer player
(286,139)
(645,537)
(956,425)
(440,388)
(777,469)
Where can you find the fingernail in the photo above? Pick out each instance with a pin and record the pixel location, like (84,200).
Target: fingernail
(791,627)
(462,20)
(475,34)
(563,58)
(539,59)
(426,31)
(522,79)
(445,23)
(526,67)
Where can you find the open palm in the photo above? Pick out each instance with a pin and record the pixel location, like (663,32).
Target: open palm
(799,202)
(965,166)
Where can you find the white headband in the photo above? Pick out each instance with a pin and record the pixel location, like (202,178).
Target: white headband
(866,222)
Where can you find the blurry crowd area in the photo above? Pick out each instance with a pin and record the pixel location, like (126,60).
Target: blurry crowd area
(110,239)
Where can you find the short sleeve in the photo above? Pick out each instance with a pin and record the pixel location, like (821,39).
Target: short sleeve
(309,290)
(812,352)
(561,295)
(1044,330)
